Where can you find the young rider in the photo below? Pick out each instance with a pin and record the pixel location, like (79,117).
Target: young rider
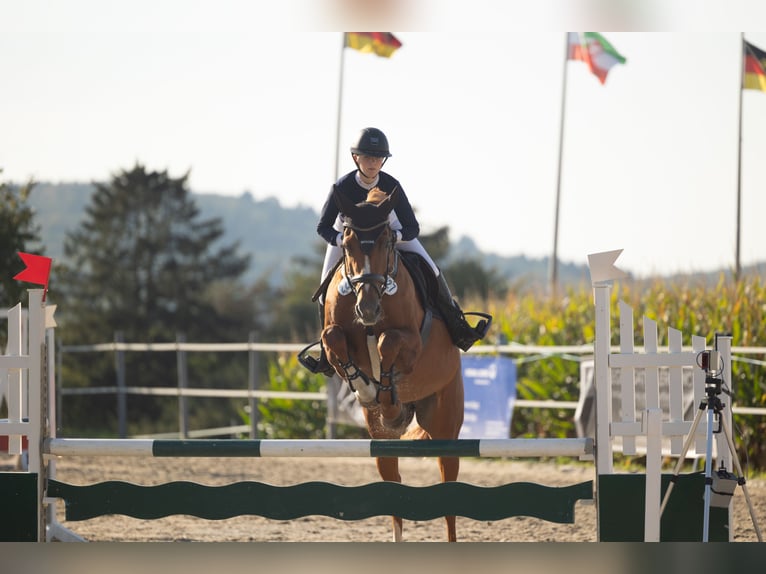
(370,152)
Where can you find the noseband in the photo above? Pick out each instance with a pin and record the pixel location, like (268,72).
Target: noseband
(381,283)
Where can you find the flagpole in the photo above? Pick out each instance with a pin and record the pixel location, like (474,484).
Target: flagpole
(554,264)
(743,55)
(340,104)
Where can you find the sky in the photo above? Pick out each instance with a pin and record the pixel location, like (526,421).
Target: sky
(245,97)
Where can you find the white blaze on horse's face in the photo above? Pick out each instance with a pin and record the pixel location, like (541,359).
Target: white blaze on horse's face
(368,299)
(367,268)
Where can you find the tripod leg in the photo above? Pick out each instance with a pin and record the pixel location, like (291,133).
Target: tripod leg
(708,473)
(738,467)
(690,437)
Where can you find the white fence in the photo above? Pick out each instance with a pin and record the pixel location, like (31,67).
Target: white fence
(341,405)
(340,408)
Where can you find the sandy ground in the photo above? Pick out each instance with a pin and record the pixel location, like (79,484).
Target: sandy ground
(345,471)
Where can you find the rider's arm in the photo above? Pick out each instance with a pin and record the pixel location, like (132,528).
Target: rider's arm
(327,220)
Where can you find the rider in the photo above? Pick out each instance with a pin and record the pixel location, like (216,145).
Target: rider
(369,152)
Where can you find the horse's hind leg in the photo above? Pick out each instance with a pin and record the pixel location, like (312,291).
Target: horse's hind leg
(388,468)
(440,416)
(449,466)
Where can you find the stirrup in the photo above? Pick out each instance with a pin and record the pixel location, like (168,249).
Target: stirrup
(316,366)
(482,327)
(468,334)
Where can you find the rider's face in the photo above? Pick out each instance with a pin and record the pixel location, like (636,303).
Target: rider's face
(369,165)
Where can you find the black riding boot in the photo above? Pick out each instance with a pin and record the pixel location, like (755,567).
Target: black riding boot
(462,333)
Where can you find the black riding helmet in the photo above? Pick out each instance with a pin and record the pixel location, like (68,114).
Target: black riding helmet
(371,142)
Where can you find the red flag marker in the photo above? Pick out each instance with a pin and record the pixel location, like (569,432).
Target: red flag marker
(38,270)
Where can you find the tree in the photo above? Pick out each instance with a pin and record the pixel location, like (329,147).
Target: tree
(436,244)
(467,277)
(18,232)
(143,264)
(295,315)
(471,279)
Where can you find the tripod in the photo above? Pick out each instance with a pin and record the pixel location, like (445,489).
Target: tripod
(712,404)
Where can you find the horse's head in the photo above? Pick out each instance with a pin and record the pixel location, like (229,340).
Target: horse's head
(369,258)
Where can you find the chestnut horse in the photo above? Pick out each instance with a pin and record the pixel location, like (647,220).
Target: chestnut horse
(380,339)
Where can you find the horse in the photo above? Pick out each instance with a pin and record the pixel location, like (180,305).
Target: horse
(383,341)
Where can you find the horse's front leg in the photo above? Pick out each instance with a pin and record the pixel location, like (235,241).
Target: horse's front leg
(336,349)
(398,351)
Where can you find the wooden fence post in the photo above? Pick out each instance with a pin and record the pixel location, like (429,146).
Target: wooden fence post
(119,360)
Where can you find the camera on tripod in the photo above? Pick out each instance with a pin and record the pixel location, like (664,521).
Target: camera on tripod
(710,362)
(722,482)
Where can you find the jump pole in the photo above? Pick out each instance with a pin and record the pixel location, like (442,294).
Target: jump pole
(232,448)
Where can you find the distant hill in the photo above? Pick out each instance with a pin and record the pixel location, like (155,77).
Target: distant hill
(276,237)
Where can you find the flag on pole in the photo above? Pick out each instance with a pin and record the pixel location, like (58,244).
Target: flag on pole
(593,49)
(383,44)
(38,269)
(755,68)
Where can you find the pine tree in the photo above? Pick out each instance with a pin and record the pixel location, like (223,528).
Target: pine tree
(143,263)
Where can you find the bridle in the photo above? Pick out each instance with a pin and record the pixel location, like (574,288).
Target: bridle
(383,381)
(381,283)
(385,284)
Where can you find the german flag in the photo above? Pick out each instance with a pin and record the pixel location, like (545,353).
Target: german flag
(755,68)
(383,44)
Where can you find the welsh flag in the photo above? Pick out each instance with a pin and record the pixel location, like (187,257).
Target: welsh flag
(593,49)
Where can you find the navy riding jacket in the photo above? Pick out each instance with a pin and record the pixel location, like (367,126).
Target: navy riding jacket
(348,186)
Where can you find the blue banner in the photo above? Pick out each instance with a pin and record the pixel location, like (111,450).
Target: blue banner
(490,391)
